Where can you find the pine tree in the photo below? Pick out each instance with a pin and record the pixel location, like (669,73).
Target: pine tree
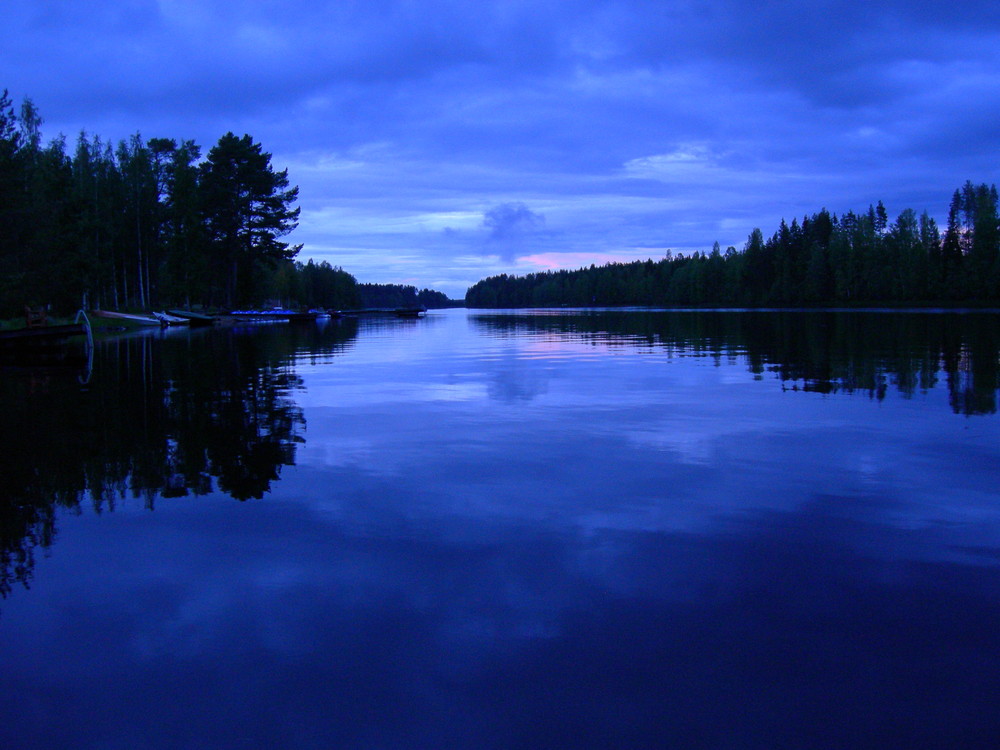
(247,208)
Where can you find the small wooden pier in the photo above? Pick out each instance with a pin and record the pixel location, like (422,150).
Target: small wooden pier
(38,343)
(399,312)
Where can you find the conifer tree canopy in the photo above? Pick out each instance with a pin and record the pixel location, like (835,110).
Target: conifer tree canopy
(248,207)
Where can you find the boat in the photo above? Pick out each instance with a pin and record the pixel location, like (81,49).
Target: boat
(193,318)
(401,312)
(145,320)
(272,315)
(167,319)
(410,312)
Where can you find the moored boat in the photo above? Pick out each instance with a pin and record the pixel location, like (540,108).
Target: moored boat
(193,318)
(410,312)
(167,319)
(272,315)
(146,320)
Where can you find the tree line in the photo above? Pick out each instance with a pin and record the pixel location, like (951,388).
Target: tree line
(148,223)
(854,259)
(320,285)
(400,295)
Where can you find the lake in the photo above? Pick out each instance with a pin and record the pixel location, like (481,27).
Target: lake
(520,529)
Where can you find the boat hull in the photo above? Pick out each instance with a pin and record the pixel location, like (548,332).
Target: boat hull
(145,320)
(193,318)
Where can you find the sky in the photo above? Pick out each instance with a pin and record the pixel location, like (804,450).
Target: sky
(439,142)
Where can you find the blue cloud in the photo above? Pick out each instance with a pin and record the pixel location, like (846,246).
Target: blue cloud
(510,228)
(446,107)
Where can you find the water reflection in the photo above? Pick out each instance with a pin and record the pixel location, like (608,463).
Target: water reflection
(582,531)
(821,351)
(167,415)
(191,412)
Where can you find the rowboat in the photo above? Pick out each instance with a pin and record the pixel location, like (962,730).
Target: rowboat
(166,319)
(193,318)
(145,320)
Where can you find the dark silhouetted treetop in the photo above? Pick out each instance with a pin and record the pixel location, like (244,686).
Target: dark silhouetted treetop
(247,208)
(857,259)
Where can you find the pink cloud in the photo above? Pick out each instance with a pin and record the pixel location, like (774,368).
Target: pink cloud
(557,261)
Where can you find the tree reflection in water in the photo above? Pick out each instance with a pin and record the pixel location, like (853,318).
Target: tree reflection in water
(164,415)
(190,413)
(821,351)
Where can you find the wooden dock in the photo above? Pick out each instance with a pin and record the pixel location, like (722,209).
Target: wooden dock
(46,345)
(40,335)
(399,312)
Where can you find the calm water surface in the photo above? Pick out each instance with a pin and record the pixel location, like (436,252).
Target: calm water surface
(535,529)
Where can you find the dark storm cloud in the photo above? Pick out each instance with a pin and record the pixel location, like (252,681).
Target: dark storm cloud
(630,125)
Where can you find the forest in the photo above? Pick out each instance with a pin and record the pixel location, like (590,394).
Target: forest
(856,259)
(146,224)
(399,295)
